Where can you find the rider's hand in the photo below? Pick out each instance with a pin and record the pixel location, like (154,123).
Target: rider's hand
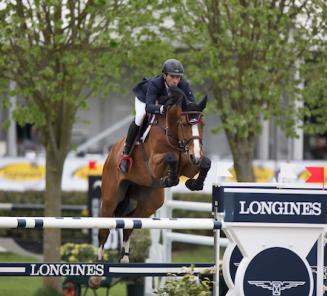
(163,109)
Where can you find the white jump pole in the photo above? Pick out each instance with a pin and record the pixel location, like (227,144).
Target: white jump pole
(111,223)
(120,223)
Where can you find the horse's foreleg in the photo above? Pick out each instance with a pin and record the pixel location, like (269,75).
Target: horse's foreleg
(124,255)
(197,184)
(171,179)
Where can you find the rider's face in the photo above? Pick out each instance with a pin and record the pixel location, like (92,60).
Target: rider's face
(172,80)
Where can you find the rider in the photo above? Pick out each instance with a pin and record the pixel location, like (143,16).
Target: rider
(147,93)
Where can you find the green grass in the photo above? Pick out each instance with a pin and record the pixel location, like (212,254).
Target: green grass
(18,286)
(28,286)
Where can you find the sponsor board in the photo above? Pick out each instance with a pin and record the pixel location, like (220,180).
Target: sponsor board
(19,173)
(269,207)
(85,171)
(262,173)
(66,269)
(22,172)
(52,269)
(101,269)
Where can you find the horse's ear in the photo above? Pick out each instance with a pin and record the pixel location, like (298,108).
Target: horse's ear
(203,103)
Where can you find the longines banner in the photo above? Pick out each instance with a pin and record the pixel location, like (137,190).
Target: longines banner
(101,269)
(19,174)
(285,207)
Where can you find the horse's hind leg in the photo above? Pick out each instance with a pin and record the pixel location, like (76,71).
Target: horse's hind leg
(107,210)
(108,206)
(112,191)
(124,254)
(148,201)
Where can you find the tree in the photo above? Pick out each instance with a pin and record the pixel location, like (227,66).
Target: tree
(250,55)
(60,54)
(314,72)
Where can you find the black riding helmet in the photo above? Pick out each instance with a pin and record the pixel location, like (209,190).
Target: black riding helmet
(173,67)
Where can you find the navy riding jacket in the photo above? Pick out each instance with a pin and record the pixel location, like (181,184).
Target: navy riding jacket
(149,90)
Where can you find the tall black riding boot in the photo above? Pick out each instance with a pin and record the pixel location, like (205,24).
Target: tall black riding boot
(126,161)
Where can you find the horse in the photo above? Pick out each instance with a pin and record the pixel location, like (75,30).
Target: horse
(173,148)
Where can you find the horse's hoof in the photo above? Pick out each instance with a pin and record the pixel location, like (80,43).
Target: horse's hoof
(124,259)
(193,185)
(94,282)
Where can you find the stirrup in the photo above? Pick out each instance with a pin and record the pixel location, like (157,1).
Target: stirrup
(128,158)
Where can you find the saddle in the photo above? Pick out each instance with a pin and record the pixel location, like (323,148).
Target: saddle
(145,129)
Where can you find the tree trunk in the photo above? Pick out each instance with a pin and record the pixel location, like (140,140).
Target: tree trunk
(243,151)
(52,199)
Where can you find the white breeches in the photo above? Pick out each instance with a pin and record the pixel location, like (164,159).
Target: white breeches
(139,111)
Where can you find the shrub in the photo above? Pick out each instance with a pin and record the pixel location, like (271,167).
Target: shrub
(139,246)
(188,285)
(71,252)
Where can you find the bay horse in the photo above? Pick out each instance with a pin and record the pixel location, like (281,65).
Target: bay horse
(173,148)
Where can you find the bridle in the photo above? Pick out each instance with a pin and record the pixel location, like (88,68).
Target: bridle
(182,145)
